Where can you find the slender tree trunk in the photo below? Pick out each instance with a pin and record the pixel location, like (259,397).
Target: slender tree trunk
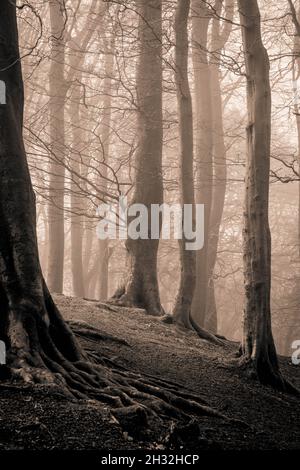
(258,345)
(87,255)
(141,288)
(183,302)
(79,170)
(204,146)
(76,198)
(105,139)
(219,38)
(57,91)
(182,308)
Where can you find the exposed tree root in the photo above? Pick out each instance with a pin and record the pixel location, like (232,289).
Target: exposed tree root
(190,324)
(84,330)
(42,349)
(266,374)
(106,306)
(133,398)
(132,298)
(121,299)
(102,305)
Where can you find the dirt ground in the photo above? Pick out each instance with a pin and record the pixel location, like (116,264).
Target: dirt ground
(35,418)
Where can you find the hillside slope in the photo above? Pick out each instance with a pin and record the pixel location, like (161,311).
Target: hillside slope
(37,418)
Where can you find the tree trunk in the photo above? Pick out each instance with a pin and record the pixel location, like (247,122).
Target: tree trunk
(258,345)
(219,38)
(57,90)
(141,288)
(204,146)
(182,308)
(77,205)
(36,336)
(105,142)
(183,302)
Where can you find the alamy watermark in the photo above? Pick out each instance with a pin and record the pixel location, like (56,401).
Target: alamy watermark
(165,221)
(296,353)
(2,92)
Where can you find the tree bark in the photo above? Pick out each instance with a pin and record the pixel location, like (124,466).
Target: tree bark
(201,16)
(57,91)
(141,288)
(31,326)
(76,199)
(258,347)
(105,142)
(182,308)
(219,37)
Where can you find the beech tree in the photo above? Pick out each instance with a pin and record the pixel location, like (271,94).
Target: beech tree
(183,303)
(31,325)
(141,288)
(258,346)
(201,16)
(104,251)
(76,199)
(210,152)
(57,91)
(219,38)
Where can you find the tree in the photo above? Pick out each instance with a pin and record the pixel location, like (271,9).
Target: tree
(204,146)
(219,37)
(182,308)
(57,91)
(104,249)
(183,302)
(82,38)
(258,346)
(141,288)
(76,199)
(210,146)
(34,330)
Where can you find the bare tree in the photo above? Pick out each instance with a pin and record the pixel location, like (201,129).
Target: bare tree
(258,347)
(141,288)
(76,198)
(57,92)
(182,308)
(201,16)
(104,249)
(35,331)
(183,303)
(219,37)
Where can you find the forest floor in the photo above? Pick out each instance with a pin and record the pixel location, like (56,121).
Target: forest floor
(35,418)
